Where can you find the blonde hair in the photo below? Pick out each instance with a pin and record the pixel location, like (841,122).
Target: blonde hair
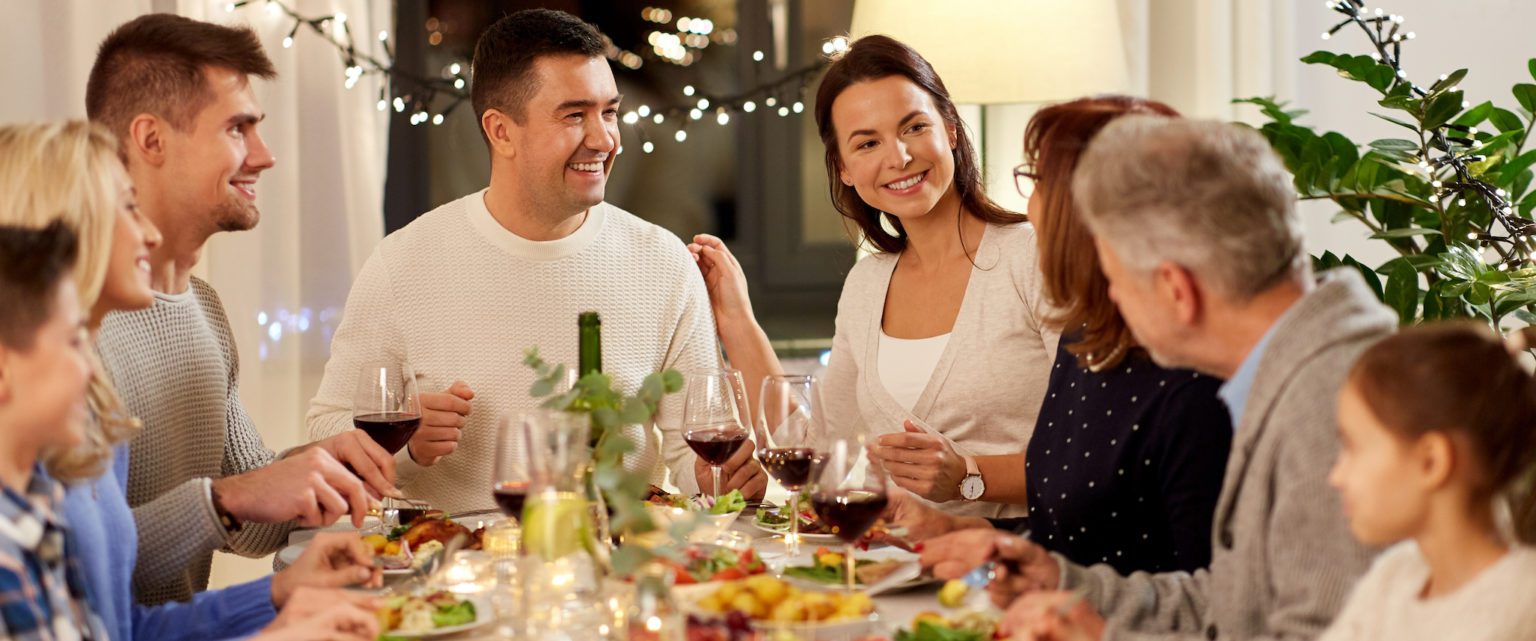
(69,171)
(1209,196)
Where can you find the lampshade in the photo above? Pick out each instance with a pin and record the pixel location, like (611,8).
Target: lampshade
(1007,51)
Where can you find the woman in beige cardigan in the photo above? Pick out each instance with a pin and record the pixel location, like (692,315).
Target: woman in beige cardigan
(941,349)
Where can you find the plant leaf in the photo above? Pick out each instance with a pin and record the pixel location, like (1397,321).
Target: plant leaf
(1525,94)
(1395,144)
(1451,79)
(1405,232)
(1402,292)
(1396,122)
(1442,109)
(1505,119)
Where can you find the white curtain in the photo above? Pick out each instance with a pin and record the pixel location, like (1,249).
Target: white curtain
(284,283)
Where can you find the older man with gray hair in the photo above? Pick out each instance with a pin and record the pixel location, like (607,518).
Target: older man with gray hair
(1198,235)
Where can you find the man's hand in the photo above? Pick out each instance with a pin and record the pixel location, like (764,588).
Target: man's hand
(442,423)
(315,614)
(740,472)
(362,454)
(311,487)
(1022,566)
(1052,616)
(923,463)
(331,560)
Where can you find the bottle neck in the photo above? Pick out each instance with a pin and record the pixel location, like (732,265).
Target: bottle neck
(591,350)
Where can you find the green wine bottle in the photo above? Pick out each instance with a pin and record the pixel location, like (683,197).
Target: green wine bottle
(590,347)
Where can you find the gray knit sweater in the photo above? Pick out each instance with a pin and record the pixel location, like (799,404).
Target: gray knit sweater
(176,367)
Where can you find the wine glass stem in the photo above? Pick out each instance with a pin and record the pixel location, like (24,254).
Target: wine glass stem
(714,470)
(794,523)
(848,565)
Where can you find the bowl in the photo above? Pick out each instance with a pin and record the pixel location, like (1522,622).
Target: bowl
(707,529)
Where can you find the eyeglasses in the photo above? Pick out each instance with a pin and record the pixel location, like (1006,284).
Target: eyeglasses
(1024,180)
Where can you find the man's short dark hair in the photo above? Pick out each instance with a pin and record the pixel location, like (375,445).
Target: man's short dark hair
(32,264)
(503,77)
(154,64)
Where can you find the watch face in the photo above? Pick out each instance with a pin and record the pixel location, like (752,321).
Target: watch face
(972,488)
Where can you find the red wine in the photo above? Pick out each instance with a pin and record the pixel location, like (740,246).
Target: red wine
(716,444)
(790,465)
(511,495)
(391,430)
(848,514)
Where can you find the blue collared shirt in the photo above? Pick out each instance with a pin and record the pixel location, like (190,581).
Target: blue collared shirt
(1234,392)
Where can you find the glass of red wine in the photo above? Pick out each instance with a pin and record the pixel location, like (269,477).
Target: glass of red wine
(386,405)
(713,407)
(848,494)
(785,429)
(510,478)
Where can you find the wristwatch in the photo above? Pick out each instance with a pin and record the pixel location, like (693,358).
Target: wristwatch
(972,487)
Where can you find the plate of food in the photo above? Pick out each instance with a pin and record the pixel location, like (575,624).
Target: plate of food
(699,563)
(963,626)
(770,604)
(776,520)
(714,515)
(826,568)
(399,550)
(431,614)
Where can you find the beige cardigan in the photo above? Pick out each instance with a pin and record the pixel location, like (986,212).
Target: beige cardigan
(986,389)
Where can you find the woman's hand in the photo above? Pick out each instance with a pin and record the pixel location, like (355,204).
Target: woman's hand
(1052,616)
(315,614)
(331,560)
(922,522)
(923,463)
(726,282)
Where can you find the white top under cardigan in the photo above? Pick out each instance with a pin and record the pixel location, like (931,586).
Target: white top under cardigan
(906,364)
(986,389)
(461,297)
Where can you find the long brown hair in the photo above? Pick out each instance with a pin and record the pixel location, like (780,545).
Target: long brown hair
(873,58)
(1460,378)
(1069,263)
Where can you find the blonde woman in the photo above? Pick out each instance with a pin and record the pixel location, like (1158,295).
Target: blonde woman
(70,172)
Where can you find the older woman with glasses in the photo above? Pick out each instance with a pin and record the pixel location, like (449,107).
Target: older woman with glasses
(1127,457)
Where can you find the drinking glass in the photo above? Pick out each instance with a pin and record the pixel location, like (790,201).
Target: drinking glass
(510,480)
(386,405)
(848,495)
(785,428)
(713,409)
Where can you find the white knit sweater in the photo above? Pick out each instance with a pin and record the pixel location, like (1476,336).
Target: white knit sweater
(1499,604)
(460,297)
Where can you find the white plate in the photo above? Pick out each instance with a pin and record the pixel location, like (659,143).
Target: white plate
(819,539)
(289,555)
(873,554)
(483,615)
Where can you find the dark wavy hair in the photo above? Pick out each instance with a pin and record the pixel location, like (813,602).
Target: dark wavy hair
(872,58)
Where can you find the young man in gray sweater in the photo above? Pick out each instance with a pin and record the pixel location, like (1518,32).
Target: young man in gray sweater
(1197,232)
(177,94)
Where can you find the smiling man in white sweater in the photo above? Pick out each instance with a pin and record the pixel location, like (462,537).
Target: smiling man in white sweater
(463,290)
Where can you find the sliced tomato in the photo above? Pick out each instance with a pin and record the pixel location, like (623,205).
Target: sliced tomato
(729,574)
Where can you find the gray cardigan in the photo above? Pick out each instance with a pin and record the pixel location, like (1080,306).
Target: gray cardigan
(1283,559)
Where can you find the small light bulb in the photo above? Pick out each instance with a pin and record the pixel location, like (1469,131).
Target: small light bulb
(454,68)
(644,110)
(798,106)
(703,103)
(658,119)
(383,104)
(458,83)
(783,111)
(383,36)
(288,42)
(695,114)
(687,90)
(647,147)
(1327,35)
(681,135)
(771,101)
(229,7)
(749,106)
(757,56)
(723,118)
(341,18)
(631,118)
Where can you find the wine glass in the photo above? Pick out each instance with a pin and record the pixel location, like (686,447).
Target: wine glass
(509,476)
(712,417)
(848,495)
(386,405)
(785,427)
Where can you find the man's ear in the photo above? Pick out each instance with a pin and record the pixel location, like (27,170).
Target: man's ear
(1182,291)
(146,139)
(501,131)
